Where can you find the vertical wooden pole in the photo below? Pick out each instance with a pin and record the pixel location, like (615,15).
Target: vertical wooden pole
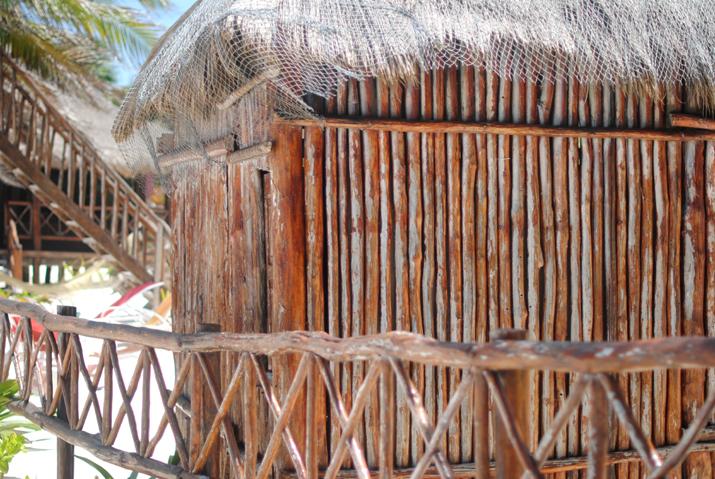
(286,243)
(14,248)
(516,389)
(36,239)
(65,451)
(597,432)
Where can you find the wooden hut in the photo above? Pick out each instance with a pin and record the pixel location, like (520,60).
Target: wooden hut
(447,168)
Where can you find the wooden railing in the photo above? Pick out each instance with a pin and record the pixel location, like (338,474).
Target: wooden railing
(294,378)
(62,168)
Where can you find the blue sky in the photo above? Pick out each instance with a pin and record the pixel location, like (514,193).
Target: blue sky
(165,19)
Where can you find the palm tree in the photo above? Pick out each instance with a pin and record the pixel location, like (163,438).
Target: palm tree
(73,42)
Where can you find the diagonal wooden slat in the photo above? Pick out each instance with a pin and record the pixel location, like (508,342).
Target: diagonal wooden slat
(275,408)
(641,443)
(145,404)
(443,423)
(169,406)
(49,380)
(89,383)
(169,414)
(226,426)
(414,402)
(34,359)
(549,438)
(348,422)
(92,399)
(507,417)
(6,336)
(26,386)
(126,394)
(10,353)
(678,455)
(62,371)
(281,423)
(218,421)
(108,393)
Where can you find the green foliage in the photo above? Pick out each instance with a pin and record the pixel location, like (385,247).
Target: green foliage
(71,41)
(10,446)
(173,460)
(102,471)
(12,429)
(23,296)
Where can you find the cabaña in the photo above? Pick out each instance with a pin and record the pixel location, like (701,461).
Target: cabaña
(448,168)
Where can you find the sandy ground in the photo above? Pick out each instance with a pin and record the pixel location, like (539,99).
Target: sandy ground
(40,462)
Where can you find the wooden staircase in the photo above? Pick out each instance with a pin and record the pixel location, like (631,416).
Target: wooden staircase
(64,171)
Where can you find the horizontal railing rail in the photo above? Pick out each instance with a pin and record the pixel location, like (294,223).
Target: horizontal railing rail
(280,388)
(588,357)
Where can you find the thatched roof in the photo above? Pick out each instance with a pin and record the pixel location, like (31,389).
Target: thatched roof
(93,116)
(297,47)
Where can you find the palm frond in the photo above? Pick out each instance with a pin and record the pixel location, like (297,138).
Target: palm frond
(69,41)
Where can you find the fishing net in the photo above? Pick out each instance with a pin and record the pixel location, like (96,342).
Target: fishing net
(229,64)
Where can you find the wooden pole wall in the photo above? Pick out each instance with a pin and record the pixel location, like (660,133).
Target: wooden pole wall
(571,239)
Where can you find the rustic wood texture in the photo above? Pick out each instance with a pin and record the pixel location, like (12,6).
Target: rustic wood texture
(504,364)
(579,242)
(451,205)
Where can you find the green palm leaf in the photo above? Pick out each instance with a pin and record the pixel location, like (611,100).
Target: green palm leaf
(72,41)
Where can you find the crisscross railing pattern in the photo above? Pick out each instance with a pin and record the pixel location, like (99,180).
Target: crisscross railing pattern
(56,162)
(283,407)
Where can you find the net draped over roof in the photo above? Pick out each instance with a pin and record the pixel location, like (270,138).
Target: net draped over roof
(226,59)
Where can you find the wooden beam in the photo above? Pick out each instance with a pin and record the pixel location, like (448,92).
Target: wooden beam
(212,150)
(552,466)
(217,149)
(695,352)
(498,128)
(250,153)
(91,443)
(683,120)
(55,255)
(248,86)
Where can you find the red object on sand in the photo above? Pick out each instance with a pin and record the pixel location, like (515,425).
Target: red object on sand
(126,297)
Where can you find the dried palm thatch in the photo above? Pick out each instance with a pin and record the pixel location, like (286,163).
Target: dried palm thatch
(227,59)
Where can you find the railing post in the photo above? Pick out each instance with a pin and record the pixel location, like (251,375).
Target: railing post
(516,389)
(65,451)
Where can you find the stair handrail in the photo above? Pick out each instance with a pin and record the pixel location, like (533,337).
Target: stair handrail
(31,87)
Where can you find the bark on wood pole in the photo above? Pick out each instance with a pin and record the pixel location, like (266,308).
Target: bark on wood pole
(14,248)
(65,451)
(516,389)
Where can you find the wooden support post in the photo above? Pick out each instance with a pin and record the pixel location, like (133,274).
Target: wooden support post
(36,238)
(207,413)
(65,451)
(14,248)
(598,432)
(516,389)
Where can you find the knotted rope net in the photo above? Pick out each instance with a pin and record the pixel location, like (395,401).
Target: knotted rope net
(232,63)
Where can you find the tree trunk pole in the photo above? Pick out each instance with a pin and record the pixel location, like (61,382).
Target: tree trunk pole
(516,389)
(65,451)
